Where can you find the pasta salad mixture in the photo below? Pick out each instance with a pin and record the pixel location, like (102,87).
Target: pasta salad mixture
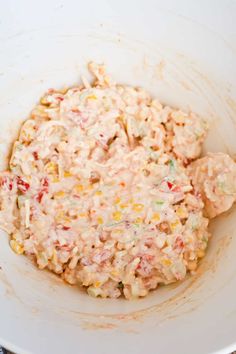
(105,187)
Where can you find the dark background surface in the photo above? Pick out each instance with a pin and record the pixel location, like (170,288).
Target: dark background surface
(3,351)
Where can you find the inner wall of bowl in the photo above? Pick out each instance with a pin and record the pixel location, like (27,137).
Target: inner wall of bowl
(171,76)
(181,77)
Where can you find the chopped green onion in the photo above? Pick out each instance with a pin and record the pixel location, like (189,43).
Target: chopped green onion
(221,185)
(172,166)
(115,223)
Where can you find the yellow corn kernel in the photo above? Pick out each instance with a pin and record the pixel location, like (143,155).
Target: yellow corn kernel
(117,231)
(55,179)
(166,262)
(17,248)
(26,137)
(79,188)
(54,257)
(200,253)
(63,90)
(181,212)
(131,201)
(44,100)
(27,133)
(59,194)
(192,265)
(61,217)
(40,111)
(98,193)
(138,207)
(67,174)
(33,164)
(97,284)
(121,118)
(67,219)
(51,167)
(100,220)
(114,273)
(138,220)
(15,235)
(123,206)
(174,225)
(156,217)
(117,215)
(91,97)
(83,215)
(117,200)
(107,80)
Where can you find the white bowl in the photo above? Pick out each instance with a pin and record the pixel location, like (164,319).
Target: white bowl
(184,52)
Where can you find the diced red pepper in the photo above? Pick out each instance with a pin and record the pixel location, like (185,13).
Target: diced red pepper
(39,196)
(172,187)
(169,184)
(22,185)
(176,189)
(179,243)
(60,98)
(5,181)
(44,182)
(65,228)
(36,156)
